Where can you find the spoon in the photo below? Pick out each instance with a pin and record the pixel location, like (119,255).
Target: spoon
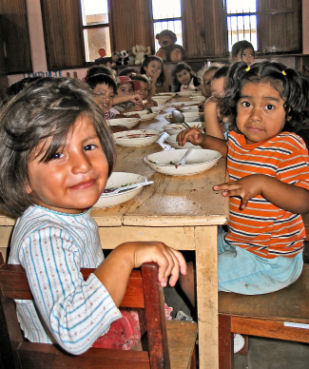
(115,190)
(179,118)
(184,158)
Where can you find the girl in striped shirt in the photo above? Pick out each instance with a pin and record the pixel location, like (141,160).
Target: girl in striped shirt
(268,186)
(56,154)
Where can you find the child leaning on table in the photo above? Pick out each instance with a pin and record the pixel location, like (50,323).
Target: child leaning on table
(55,157)
(268,186)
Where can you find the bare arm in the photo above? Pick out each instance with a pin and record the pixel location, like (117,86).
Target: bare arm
(136,99)
(288,197)
(197,137)
(115,270)
(212,125)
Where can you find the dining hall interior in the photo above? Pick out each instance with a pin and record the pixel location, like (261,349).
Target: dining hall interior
(168,201)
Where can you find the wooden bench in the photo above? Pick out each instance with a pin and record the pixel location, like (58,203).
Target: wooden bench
(171,344)
(280,315)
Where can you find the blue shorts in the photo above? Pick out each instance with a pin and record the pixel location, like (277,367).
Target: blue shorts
(242,272)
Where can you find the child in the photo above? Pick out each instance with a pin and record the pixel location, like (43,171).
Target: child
(128,98)
(144,89)
(56,156)
(243,51)
(104,90)
(268,188)
(215,124)
(206,74)
(153,68)
(184,79)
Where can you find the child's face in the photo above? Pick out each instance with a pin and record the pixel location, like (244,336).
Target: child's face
(260,112)
(154,68)
(246,55)
(143,91)
(74,179)
(217,86)
(183,77)
(207,81)
(125,89)
(103,95)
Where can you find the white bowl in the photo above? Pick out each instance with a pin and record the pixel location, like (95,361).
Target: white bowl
(136,138)
(116,180)
(139,112)
(148,116)
(175,128)
(161,99)
(190,116)
(180,104)
(171,94)
(186,93)
(189,108)
(157,109)
(125,122)
(198,99)
(197,161)
(171,140)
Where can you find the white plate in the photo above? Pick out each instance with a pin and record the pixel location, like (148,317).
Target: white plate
(171,140)
(175,128)
(139,112)
(198,161)
(116,180)
(125,122)
(136,138)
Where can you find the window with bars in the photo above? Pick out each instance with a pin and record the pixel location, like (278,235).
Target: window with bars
(96,28)
(241,21)
(167,14)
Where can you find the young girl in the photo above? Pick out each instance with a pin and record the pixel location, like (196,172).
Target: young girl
(144,89)
(153,68)
(184,78)
(243,51)
(127,97)
(56,156)
(268,184)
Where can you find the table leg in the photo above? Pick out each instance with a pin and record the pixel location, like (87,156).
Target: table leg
(207,296)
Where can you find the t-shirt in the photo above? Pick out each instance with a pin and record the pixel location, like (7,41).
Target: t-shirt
(52,247)
(263,228)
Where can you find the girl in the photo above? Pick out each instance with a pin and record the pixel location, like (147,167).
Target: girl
(153,68)
(144,89)
(184,78)
(127,97)
(56,156)
(206,74)
(243,51)
(268,184)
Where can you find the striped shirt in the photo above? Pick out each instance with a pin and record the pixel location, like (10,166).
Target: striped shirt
(263,228)
(52,247)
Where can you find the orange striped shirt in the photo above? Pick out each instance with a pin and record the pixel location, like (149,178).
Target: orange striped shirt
(262,228)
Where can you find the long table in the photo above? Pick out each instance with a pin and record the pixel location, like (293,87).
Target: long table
(184,212)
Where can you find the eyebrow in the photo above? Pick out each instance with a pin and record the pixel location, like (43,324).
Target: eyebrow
(264,97)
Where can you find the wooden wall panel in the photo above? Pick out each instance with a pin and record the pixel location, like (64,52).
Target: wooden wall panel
(62,31)
(204,28)
(131,24)
(15,36)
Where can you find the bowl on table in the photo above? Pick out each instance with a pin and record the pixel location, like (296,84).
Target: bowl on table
(117,180)
(191,116)
(124,122)
(138,112)
(175,128)
(161,100)
(185,93)
(148,116)
(196,162)
(136,138)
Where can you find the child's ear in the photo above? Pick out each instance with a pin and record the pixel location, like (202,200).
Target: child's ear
(28,188)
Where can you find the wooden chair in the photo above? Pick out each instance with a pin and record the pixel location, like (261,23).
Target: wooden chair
(171,344)
(280,315)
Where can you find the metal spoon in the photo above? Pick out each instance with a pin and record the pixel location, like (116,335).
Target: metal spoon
(184,158)
(179,118)
(115,190)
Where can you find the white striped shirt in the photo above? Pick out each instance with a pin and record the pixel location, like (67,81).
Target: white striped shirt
(52,247)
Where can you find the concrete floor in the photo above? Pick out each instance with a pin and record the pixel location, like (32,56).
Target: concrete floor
(262,353)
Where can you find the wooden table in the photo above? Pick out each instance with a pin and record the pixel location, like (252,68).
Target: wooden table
(184,212)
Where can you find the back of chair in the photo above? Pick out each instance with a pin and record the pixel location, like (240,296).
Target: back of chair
(143,292)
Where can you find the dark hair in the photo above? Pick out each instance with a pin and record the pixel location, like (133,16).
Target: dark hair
(180,67)
(96,79)
(150,58)
(292,87)
(98,69)
(241,46)
(42,110)
(127,72)
(221,72)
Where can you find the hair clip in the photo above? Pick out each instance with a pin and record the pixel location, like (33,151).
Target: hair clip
(283,72)
(248,68)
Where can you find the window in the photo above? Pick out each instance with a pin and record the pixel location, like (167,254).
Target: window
(241,21)
(96,29)
(167,14)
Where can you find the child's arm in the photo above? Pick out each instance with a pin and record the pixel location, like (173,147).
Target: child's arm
(212,125)
(136,99)
(115,270)
(288,197)
(197,137)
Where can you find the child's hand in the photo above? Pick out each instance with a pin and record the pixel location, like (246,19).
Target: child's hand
(245,188)
(136,99)
(170,261)
(192,135)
